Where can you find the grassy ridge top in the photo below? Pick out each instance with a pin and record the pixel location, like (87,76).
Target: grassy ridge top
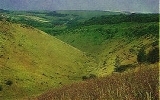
(34,61)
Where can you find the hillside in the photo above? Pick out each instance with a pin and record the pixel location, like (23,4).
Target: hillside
(106,42)
(32,62)
(115,44)
(126,52)
(139,84)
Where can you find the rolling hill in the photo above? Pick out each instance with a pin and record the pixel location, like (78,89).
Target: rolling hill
(32,61)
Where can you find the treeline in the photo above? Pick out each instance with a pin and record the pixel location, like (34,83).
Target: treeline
(115,19)
(54,13)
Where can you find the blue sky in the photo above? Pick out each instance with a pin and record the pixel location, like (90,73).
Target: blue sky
(145,6)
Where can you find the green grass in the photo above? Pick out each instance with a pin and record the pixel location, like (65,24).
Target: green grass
(35,61)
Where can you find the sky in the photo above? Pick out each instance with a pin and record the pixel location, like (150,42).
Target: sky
(144,6)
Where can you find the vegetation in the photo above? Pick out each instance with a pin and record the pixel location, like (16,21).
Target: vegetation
(139,85)
(141,57)
(29,66)
(115,19)
(1,88)
(153,56)
(9,82)
(91,76)
(95,44)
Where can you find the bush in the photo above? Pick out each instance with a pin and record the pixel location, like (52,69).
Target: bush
(1,88)
(84,77)
(123,68)
(153,56)
(91,76)
(9,82)
(141,57)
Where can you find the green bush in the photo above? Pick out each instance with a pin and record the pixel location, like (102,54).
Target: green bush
(141,57)
(153,56)
(91,76)
(9,82)
(123,68)
(1,88)
(84,77)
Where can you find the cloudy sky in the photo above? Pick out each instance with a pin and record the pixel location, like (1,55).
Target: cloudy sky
(145,6)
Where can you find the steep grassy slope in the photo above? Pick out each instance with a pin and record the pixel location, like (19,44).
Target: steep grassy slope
(32,61)
(138,84)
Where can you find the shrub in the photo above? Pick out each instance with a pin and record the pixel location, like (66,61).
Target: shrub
(141,57)
(84,77)
(153,56)
(1,88)
(9,82)
(123,68)
(91,76)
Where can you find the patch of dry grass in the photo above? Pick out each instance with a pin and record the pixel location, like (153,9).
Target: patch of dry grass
(141,84)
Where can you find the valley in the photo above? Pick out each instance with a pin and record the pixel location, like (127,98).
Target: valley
(46,50)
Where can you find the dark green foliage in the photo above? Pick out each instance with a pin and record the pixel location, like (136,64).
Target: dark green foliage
(1,88)
(153,56)
(155,43)
(54,13)
(115,19)
(122,68)
(9,82)
(84,77)
(91,76)
(141,57)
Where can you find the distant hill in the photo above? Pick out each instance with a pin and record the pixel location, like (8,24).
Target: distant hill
(87,13)
(52,22)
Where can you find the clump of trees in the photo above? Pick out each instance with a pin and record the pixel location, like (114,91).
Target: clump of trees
(142,57)
(152,57)
(54,13)
(115,19)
